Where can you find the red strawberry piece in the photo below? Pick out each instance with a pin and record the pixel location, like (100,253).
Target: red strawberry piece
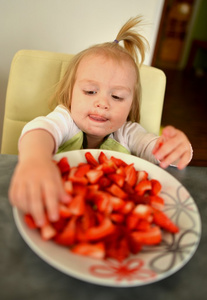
(118,249)
(143,225)
(132,221)
(28,219)
(162,220)
(156,187)
(143,212)
(107,167)
(67,236)
(143,186)
(63,165)
(150,237)
(64,211)
(91,160)
(77,205)
(117,217)
(79,189)
(60,224)
(82,170)
(118,179)
(68,187)
(102,158)
(105,228)
(134,246)
(127,188)
(104,182)
(118,162)
(95,250)
(121,171)
(102,200)
(127,208)
(131,175)
(156,202)
(47,231)
(141,175)
(116,202)
(94,175)
(115,190)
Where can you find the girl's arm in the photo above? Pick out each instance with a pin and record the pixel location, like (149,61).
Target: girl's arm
(36,183)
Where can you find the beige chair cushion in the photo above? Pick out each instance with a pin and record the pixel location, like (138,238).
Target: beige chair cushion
(32,80)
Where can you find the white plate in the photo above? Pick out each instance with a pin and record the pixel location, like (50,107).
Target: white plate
(153,263)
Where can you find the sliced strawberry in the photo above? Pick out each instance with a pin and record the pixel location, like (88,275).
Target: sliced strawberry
(107,167)
(104,182)
(143,212)
(131,175)
(118,249)
(117,217)
(28,219)
(121,171)
(79,189)
(102,158)
(82,170)
(64,211)
(156,202)
(68,187)
(156,187)
(117,178)
(63,165)
(143,225)
(96,250)
(150,237)
(117,191)
(100,231)
(141,175)
(143,186)
(77,205)
(118,162)
(94,175)
(134,246)
(132,221)
(47,231)
(162,220)
(117,203)
(127,208)
(67,236)
(102,200)
(91,160)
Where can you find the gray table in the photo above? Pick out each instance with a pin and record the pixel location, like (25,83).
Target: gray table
(25,276)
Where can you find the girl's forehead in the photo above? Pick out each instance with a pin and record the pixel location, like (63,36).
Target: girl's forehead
(93,62)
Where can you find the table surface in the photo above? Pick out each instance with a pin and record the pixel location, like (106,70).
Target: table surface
(26,276)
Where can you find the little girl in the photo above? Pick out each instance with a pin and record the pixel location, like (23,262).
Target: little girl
(98,107)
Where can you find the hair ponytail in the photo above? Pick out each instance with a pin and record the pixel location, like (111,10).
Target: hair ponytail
(133,42)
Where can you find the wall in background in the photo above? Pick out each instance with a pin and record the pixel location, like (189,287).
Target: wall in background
(67,26)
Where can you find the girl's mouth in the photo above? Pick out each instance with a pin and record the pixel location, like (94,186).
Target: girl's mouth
(97,118)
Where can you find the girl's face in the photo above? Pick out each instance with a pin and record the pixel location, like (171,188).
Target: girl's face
(102,95)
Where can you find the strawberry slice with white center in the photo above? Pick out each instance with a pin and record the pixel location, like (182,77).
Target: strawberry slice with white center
(96,250)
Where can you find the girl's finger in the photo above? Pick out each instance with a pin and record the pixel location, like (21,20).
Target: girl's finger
(36,206)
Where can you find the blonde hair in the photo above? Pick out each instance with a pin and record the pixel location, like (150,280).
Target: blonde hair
(134,45)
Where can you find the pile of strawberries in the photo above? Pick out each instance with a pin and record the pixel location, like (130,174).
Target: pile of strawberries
(114,210)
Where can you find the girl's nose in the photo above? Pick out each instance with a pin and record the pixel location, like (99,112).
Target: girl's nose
(102,103)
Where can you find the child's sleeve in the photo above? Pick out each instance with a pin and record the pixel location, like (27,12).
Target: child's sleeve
(139,142)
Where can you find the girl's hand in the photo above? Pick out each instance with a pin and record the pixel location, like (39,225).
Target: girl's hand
(36,186)
(173,147)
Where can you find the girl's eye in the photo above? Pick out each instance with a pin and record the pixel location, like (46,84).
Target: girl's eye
(90,92)
(117,97)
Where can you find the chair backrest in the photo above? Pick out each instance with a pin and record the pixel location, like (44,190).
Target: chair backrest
(32,79)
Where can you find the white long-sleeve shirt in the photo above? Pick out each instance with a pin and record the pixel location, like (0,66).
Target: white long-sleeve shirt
(131,136)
